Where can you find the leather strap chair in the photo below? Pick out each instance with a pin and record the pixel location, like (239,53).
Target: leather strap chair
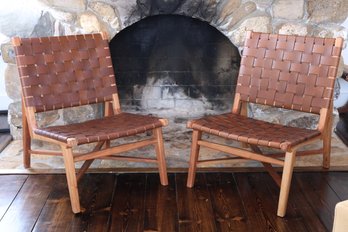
(75,70)
(283,71)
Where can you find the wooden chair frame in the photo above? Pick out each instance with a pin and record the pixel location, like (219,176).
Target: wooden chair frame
(102,149)
(286,159)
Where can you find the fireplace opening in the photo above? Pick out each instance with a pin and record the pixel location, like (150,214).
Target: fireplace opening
(174,66)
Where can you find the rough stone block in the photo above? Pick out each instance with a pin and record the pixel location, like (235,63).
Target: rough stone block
(106,13)
(81,113)
(225,9)
(90,23)
(285,9)
(48,118)
(7,53)
(244,10)
(262,23)
(75,5)
(63,16)
(15,119)
(12,82)
(44,26)
(293,29)
(322,11)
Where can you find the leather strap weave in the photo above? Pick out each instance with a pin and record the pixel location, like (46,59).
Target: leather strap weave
(287,71)
(108,128)
(253,131)
(65,71)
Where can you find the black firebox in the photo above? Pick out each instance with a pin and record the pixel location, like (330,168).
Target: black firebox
(174,63)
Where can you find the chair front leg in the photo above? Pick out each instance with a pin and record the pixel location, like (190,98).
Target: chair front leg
(196,135)
(286,182)
(161,161)
(71,179)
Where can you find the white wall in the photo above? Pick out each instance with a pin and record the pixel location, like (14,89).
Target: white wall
(345,50)
(343,96)
(4,99)
(30,14)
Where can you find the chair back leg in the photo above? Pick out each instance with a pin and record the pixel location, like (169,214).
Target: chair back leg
(327,151)
(196,135)
(286,182)
(71,179)
(159,146)
(26,139)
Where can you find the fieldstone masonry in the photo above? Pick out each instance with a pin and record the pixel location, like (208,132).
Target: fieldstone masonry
(282,9)
(232,17)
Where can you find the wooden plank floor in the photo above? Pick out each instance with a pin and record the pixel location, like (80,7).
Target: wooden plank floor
(137,202)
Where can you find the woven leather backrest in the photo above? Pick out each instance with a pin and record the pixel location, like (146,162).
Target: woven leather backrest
(291,72)
(64,71)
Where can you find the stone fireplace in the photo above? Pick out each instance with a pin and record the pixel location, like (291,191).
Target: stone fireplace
(174,66)
(177,59)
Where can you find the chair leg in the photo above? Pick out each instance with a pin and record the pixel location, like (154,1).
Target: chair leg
(196,135)
(326,151)
(26,140)
(160,156)
(71,179)
(327,143)
(286,181)
(327,139)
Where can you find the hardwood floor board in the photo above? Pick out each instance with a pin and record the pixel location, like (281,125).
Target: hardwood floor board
(194,205)
(99,204)
(9,187)
(93,196)
(226,202)
(299,203)
(255,203)
(319,195)
(56,214)
(127,212)
(137,202)
(26,207)
(339,183)
(294,220)
(160,205)
(260,196)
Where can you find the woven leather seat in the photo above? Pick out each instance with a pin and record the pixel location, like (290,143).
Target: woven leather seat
(282,71)
(70,71)
(257,132)
(108,128)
